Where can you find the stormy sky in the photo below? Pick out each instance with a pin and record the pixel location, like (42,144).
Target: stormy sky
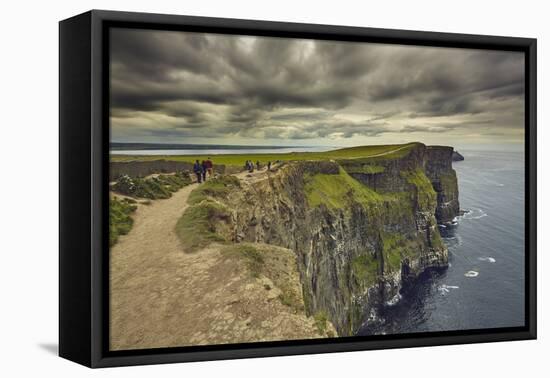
(180,87)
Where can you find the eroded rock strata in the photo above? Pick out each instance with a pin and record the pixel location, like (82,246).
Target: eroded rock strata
(362,229)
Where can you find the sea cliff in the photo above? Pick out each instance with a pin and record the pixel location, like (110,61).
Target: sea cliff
(362,229)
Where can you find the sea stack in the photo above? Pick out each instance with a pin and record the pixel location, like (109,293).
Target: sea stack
(457,156)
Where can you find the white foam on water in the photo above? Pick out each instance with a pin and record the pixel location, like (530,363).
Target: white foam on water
(471,273)
(488,259)
(444,289)
(396,298)
(475,214)
(483,215)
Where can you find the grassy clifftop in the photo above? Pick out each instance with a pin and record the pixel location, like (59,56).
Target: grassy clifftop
(388,151)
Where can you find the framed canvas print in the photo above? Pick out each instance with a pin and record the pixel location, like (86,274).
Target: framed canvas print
(234,188)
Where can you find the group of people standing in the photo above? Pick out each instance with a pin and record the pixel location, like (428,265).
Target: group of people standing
(202,168)
(249,165)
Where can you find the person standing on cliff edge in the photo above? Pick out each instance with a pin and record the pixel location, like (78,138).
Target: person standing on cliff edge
(197,169)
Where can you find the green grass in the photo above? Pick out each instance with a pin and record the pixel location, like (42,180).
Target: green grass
(338,191)
(120,221)
(197,226)
(436,240)
(427,198)
(159,187)
(396,248)
(218,187)
(418,178)
(391,151)
(365,269)
(321,322)
(393,245)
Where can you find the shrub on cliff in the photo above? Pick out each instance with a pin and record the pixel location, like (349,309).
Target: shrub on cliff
(365,269)
(203,221)
(120,221)
(159,187)
(197,227)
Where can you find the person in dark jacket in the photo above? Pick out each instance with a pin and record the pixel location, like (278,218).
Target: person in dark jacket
(250,166)
(204,169)
(197,169)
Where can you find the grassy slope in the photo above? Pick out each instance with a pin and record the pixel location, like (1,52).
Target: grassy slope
(389,151)
(336,191)
(197,226)
(427,198)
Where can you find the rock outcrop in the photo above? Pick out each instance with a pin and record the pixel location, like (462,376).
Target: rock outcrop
(457,156)
(362,229)
(439,170)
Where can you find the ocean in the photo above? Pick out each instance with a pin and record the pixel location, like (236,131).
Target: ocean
(484,284)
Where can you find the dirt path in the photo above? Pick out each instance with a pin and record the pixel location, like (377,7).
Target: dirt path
(162,296)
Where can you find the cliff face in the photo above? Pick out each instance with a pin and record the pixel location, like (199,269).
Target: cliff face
(362,229)
(440,172)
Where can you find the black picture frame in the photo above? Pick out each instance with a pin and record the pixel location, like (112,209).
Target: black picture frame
(83,166)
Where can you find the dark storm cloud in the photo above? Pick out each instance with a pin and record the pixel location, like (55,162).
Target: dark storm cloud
(175,84)
(154,55)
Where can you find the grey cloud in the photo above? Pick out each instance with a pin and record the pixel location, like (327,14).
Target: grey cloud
(219,85)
